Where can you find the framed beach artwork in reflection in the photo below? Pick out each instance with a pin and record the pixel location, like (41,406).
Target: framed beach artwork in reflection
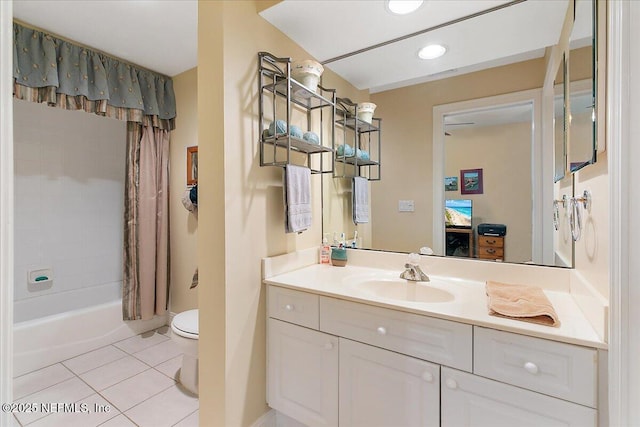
(192,165)
(471,181)
(451,183)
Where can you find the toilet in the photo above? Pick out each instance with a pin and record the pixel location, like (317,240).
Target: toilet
(184,328)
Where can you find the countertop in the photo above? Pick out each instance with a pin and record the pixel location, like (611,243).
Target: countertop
(469,304)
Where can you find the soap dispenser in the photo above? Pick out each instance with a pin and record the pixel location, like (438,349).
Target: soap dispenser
(325,251)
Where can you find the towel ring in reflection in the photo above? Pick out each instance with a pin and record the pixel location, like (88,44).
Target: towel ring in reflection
(556,210)
(576,205)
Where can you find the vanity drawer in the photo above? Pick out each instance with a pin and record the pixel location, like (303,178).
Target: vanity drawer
(562,370)
(292,306)
(436,340)
(491,241)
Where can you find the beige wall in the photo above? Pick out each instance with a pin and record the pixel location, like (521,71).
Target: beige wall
(592,250)
(407,151)
(184,224)
(506,197)
(241,214)
(211,208)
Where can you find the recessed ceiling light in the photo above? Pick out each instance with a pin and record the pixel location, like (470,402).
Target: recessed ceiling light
(432,51)
(402,7)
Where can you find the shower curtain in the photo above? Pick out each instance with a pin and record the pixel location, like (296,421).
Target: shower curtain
(146,240)
(63,74)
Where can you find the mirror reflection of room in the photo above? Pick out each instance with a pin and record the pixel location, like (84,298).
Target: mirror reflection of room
(518,193)
(480,140)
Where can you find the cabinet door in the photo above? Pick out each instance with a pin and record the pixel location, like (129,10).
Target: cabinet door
(302,369)
(382,388)
(469,400)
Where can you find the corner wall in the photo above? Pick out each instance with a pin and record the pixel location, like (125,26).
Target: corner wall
(183,230)
(241,213)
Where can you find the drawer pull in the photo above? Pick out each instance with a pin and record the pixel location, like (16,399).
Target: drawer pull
(289,307)
(328,346)
(491,251)
(531,367)
(427,376)
(451,383)
(491,242)
(382,330)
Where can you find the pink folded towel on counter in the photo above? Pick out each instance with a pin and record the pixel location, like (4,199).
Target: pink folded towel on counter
(521,302)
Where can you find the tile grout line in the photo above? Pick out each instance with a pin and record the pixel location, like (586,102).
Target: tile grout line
(181,420)
(99,392)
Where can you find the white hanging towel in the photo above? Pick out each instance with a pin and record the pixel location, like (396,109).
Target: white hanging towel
(297,198)
(360,200)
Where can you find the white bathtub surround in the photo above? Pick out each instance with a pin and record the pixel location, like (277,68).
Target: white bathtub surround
(62,302)
(69,182)
(48,340)
(463,278)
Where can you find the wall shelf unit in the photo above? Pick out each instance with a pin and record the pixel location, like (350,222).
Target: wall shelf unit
(362,137)
(283,98)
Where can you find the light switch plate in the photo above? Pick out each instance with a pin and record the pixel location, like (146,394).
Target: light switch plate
(406,206)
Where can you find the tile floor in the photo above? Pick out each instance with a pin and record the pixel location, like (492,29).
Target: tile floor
(130,383)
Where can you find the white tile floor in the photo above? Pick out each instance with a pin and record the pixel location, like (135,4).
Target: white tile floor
(130,383)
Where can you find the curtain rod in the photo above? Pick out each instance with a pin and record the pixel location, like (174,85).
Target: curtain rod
(84,46)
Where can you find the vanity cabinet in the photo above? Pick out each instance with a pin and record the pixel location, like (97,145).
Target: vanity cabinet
(333,362)
(470,400)
(436,340)
(302,376)
(382,388)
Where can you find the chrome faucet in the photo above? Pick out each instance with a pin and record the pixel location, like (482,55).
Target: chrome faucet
(412,271)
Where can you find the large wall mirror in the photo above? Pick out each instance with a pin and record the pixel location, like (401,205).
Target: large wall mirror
(494,49)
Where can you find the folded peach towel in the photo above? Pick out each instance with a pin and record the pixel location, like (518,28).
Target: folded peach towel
(521,302)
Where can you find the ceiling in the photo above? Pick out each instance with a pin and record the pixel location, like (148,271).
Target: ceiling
(513,33)
(161,35)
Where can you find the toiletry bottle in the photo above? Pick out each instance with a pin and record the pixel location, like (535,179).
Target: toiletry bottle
(325,251)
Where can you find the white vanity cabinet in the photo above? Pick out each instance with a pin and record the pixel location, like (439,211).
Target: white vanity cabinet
(472,401)
(302,378)
(382,388)
(333,362)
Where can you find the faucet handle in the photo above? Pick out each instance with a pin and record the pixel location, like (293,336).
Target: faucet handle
(414,258)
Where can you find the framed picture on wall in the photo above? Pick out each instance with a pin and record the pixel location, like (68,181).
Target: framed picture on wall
(192,165)
(451,183)
(471,181)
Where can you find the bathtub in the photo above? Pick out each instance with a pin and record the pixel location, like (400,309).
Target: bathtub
(42,342)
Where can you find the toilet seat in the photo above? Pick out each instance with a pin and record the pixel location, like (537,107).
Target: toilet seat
(185,324)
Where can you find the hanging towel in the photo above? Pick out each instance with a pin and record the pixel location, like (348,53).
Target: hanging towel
(360,200)
(297,198)
(521,302)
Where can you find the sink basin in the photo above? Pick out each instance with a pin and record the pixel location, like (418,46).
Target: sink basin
(403,290)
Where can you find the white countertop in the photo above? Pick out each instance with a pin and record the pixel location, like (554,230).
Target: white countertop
(469,305)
